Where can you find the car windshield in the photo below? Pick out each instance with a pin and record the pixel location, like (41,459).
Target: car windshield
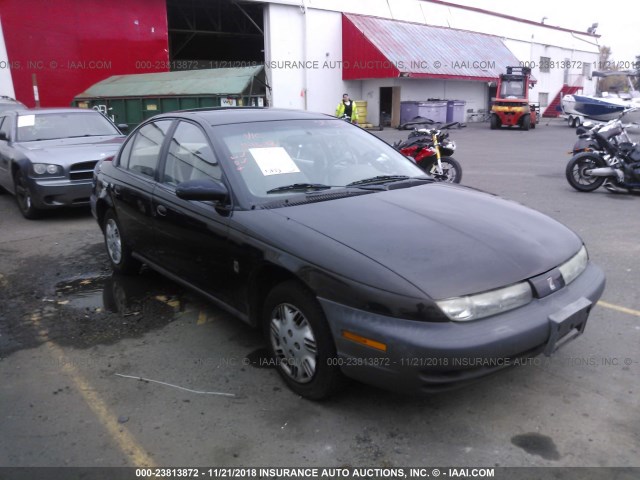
(49,126)
(281,157)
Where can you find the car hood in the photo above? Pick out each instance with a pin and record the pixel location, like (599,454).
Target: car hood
(66,151)
(446,240)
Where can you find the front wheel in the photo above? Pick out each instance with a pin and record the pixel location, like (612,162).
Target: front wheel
(451,170)
(494,122)
(526,122)
(577,168)
(24,197)
(300,341)
(119,253)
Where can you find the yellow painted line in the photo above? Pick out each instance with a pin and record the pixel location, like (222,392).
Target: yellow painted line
(618,308)
(120,434)
(202,318)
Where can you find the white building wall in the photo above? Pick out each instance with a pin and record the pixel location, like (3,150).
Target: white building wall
(314,39)
(475,94)
(6,82)
(310,31)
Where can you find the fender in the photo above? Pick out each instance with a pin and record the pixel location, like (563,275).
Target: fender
(22,164)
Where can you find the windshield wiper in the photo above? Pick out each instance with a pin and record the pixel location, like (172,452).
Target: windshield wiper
(300,187)
(379,179)
(89,135)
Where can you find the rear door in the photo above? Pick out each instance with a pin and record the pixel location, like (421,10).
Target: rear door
(192,235)
(134,180)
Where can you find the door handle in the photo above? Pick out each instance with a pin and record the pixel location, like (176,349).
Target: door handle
(162,210)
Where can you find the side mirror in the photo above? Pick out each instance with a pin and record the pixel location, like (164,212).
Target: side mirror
(202,190)
(123,127)
(3,136)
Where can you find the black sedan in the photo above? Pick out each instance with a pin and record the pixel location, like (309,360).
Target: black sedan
(47,156)
(353,262)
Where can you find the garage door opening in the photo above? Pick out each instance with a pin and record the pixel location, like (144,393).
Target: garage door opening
(214,34)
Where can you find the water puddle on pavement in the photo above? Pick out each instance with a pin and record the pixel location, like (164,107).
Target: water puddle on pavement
(104,309)
(123,295)
(83,294)
(537,444)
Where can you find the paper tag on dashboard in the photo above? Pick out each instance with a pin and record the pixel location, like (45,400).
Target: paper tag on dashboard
(26,121)
(273,161)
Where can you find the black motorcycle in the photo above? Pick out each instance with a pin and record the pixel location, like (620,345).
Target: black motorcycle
(604,156)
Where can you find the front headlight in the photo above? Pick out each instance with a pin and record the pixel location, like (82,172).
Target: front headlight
(573,267)
(473,307)
(46,169)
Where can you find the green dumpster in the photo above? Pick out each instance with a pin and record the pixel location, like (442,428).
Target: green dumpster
(131,99)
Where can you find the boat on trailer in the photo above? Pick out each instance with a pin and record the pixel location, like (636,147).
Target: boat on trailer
(604,106)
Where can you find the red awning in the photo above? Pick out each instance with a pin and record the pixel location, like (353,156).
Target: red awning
(375,47)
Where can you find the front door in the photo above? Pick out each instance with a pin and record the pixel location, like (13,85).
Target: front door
(192,235)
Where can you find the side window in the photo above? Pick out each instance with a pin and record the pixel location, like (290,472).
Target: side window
(145,148)
(123,160)
(190,157)
(5,126)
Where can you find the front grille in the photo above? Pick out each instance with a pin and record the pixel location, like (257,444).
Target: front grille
(82,171)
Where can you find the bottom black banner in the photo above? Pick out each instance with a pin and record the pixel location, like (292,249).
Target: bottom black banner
(330,473)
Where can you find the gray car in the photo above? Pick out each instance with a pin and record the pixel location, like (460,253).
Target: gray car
(8,103)
(47,156)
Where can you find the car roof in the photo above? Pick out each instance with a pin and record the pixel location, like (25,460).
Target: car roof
(227,115)
(9,104)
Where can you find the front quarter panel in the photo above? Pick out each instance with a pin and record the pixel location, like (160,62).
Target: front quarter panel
(331,270)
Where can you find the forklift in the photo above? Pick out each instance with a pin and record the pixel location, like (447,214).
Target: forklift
(511,105)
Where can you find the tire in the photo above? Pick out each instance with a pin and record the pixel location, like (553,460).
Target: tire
(117,249)
(494,122)
(572,122)
(24,197)
(298,335)
(452,171)
(526,122)
(575,172)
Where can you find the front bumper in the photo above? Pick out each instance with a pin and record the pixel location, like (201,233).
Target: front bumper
(59,192)
(428,357)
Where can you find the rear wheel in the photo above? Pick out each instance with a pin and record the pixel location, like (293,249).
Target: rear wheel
(119,253)
(24,197)
(300,341)
(494,122)
(526,122)
(577,168)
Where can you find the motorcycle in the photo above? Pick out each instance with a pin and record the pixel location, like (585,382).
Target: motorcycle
(614,131)
(605,155)
(432,151)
